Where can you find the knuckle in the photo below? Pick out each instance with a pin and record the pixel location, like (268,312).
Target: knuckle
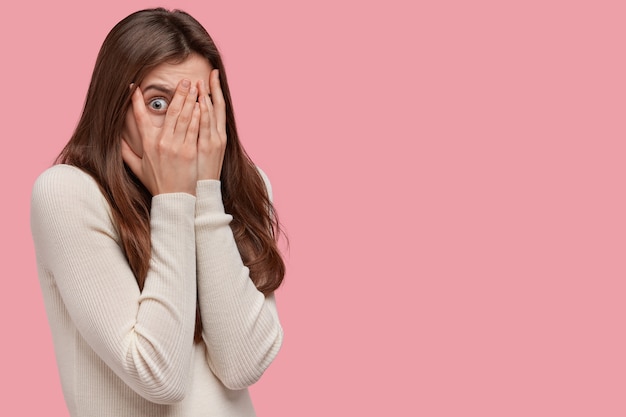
(184,118)
(174,108)
(192,130)
(182,91)
(162,147)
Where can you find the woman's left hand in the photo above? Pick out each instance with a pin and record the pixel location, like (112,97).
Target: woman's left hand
(212,136)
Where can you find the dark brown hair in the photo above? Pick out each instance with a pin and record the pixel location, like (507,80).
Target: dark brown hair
(135,46)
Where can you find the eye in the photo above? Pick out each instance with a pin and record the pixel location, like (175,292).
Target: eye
(158,104)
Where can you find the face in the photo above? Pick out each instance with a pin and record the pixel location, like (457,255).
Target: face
(158,89)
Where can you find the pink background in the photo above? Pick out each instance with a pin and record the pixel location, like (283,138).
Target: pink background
(450,174)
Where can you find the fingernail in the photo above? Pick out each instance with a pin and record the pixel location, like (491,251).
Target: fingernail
(193,91)
(186,83)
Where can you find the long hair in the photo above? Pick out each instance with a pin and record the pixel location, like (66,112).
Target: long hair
(135,46)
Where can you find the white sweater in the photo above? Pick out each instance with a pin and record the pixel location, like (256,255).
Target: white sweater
(122,352)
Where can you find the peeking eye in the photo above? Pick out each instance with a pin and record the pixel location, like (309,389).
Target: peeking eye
(159,105)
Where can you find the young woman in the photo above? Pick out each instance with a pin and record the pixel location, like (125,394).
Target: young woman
(155,235)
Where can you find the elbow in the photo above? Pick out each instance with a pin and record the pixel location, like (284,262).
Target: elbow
(238,381)
(160,382)
(170,400)
(165,394)
(248,369)
(159,374)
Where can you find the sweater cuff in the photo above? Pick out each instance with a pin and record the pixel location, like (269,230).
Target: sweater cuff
(171,207)
(209,205)
(209,195)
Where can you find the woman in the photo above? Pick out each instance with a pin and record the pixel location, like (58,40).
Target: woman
(155,235)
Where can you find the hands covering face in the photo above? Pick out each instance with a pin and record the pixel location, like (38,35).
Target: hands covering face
(189,145)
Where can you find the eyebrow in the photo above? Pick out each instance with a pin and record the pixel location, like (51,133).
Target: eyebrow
(160,87)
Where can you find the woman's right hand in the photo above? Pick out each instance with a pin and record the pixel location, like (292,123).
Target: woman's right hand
(170,152)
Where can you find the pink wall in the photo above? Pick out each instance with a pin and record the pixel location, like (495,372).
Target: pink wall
(451,178)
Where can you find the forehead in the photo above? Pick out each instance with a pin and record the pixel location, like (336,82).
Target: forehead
(193,68)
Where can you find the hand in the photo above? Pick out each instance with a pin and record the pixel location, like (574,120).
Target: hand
(212,138)
(170,153)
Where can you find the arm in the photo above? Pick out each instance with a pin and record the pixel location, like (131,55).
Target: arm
(240,325)
(145,337)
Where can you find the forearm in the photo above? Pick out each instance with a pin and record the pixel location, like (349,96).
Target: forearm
(240,325)
(144,337)
(162,349)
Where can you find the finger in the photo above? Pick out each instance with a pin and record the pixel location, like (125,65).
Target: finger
(219,104)
(205,118)
(211,108)
(139,110)
(176,106)
(186,114)
(131,158)
(191,137)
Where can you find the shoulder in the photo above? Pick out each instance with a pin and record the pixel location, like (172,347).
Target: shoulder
(65,186)
(266,181)
(64,179)
(64,175)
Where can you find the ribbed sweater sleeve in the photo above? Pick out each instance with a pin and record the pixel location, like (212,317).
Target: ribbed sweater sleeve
(240,325)
(145,337)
